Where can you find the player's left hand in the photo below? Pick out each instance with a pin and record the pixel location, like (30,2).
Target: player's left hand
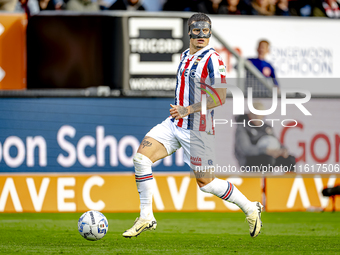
(178,112)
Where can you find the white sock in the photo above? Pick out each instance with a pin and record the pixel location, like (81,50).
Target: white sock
(227,191)
(145,184)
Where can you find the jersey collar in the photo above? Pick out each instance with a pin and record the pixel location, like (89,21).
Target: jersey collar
(200,51)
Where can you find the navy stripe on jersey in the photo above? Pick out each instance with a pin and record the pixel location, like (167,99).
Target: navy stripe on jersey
(192,88)
(211,72)
(185,53)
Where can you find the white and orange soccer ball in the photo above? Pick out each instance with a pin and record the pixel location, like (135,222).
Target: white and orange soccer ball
(93,225)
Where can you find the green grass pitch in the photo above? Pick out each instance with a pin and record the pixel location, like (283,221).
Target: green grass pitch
(177,233)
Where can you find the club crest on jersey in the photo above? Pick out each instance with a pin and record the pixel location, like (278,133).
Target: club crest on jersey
(197,60)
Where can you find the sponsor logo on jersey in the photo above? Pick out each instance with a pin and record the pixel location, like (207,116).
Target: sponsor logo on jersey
(221,70)
(192,73)
(186,71)
(196,161)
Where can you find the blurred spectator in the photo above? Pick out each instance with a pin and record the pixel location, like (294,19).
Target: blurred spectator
(30,7)
(237,7)
(153,5)
(247,6)
(327,8)
(46,5)
(282,8)
(263,7)
(105,4)
(8,5)
(261,64)
(129,5)
(212,6)
(51,5)
(272,4)
(300,7)
(258,88)
(293,7)
(256,144)
(82,5)
(185,5)
(306,10)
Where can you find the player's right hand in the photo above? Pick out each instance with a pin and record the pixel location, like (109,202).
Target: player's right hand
(178,111)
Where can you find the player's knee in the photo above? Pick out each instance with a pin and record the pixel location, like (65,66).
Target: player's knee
(201,182)
(142,164)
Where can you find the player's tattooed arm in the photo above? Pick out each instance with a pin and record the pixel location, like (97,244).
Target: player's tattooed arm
(178,112)
(195,107)
(145,143)
(183,111)
(210,104)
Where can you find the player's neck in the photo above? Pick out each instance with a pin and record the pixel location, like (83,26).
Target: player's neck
(193,50)
(261,57)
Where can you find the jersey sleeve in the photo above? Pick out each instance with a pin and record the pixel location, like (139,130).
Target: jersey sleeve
(217,69)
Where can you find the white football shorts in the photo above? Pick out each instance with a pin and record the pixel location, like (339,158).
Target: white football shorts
(198,146)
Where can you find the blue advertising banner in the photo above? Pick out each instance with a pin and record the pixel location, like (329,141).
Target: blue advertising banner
(79,134)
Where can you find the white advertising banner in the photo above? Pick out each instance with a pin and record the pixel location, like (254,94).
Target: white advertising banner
(299,48)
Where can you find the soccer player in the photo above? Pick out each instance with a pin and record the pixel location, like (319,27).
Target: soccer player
(189,128)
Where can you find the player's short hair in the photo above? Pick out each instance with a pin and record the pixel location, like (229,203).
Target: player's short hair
(264,41)
(199,17)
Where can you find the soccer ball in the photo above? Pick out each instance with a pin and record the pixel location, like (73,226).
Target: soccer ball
(93,225)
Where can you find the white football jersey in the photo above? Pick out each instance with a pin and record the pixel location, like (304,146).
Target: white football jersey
(197,75)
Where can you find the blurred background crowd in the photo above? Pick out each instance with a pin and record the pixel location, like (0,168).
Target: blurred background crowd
(304,8)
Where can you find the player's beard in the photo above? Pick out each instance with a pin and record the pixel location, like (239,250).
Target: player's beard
(201,45)
(195,46)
